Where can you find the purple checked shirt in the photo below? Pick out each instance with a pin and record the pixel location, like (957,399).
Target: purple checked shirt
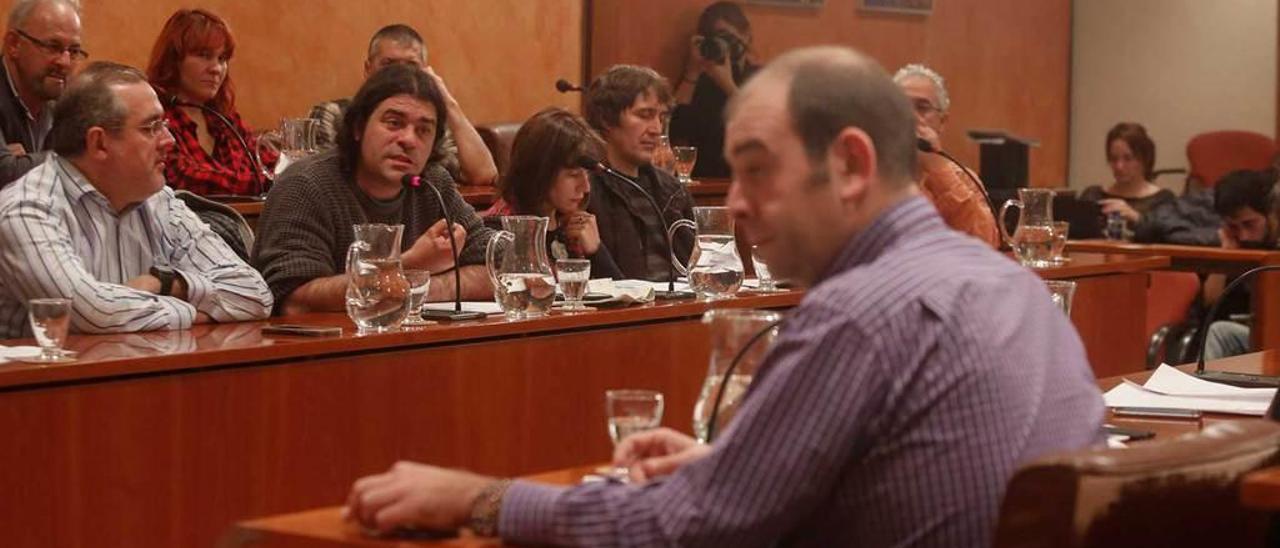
(900,397)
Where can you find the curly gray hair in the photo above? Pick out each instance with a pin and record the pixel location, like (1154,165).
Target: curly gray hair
(914,70)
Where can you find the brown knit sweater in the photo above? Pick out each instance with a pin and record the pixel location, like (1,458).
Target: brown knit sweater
(305,227)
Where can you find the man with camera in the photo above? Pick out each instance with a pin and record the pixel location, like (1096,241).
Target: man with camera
(719,61)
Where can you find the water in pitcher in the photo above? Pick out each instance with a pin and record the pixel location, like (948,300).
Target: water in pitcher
(717,270)
(377,297)
(525,295)
(1033,245)
(733,393)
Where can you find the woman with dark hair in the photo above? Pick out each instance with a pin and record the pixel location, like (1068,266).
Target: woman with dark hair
(544,179)
(188,68)
(719,61)
(1132,157)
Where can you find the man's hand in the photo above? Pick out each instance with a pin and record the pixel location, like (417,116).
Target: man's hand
(656,453)
(930,162)
(444,90)
(1228,238)
(414,495)
(721,73)
(582,234)
(1116,205)
(432,251)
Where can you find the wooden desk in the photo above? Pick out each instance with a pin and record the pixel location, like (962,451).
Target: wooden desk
(1109,307)
(324,526)
(1266,289)
(165,438)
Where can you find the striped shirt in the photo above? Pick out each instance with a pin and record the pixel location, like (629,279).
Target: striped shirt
(896,404)
(59,237)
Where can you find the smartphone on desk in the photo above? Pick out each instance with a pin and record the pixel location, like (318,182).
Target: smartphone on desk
(301,330)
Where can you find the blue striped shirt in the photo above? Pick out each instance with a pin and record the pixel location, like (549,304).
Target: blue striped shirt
(59,237)
(897,402)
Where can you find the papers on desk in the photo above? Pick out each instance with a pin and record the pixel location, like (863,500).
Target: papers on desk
(1171,388)
(485,307)
(7,352)
(623,291)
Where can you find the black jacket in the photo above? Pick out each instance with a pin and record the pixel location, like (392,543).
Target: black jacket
(631,233)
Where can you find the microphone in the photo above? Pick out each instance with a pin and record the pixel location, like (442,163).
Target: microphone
(1227,377)
(728,373)
(925,146)
(592,164)
(563,86)
(457,314)
(254,162)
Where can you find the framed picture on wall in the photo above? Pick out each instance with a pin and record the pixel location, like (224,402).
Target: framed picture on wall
(918,7)
(790,3)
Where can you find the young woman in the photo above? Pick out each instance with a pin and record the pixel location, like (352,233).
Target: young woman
(1132,157)
(543,178)
(188,68)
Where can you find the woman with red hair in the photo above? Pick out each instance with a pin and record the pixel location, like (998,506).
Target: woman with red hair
(188,68)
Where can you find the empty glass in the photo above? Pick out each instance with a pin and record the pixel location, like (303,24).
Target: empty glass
(686,157)
(1061,292)
(764,279)
(572,275)
(419,285)
(632,411)
(50,322)
(1058,251)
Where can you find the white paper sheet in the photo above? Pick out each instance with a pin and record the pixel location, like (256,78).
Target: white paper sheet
(7,352)
(1171,388)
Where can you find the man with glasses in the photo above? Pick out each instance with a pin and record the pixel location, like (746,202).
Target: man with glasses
(462,153)
(958,196)
(41,49)
(95,223)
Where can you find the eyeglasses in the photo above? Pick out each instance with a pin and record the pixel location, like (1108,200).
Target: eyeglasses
(924,107)
(55,49)
(155,128)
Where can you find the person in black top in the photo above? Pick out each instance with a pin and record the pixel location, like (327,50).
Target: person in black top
(544,179)
(719,61)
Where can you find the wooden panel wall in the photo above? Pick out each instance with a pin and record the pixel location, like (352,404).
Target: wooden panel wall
(498,57)
(1007,62)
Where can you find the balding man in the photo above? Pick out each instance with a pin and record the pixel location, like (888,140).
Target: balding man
(919,371)
(41,49)
(959,196)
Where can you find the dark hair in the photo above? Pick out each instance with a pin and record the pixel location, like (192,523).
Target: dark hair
(1136,137)
(613,92)
(388,82)
(551,140)
(1243,188)
(90,102)
(834,88)
(729,12)
(188,31)
(398,33)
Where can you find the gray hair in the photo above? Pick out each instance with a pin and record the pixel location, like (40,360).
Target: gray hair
(22,9)
(89,102)
(833,88)
(914,70)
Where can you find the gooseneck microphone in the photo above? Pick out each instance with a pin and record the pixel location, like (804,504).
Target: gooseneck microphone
(728,374)
(563,86)
(258,174)
(925,146)
(592,164)
(457,314)
(1227,377)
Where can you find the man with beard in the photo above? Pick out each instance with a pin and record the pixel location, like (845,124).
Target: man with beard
(1244,201)
(41,48)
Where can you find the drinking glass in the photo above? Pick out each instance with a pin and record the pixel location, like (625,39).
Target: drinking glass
(764,279)
(1062,292)
(1058,250)
(419,284)
(632,411)
(50,321)
(573,275)
(686,157)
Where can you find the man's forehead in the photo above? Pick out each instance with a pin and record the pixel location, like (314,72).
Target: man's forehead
(392,48)
(916,85)
(759,116)
(647,99)
(407,105)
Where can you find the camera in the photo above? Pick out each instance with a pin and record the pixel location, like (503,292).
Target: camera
(713,48)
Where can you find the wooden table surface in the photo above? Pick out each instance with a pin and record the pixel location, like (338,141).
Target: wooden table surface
(1266,294)
(324,526)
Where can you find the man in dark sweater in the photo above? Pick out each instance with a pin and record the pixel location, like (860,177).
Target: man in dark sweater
(627,105)
(389,131)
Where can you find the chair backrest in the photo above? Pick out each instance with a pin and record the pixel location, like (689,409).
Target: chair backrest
(1169,297)
(224,220)
(1179,492)
(1214,154)
(498,137)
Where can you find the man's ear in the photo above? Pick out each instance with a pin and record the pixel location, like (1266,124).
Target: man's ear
(852,162)
(11,40)
(95,143)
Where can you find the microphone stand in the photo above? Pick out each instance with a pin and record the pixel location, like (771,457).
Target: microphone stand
(1227,377)
(254,162)
(671,293)
(926,146)
(728,372)
(457,314)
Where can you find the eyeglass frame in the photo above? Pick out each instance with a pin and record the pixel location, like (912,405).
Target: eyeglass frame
(925,107)
(74,51)
(151,129)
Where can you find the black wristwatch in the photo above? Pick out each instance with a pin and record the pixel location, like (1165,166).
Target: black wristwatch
(166,276)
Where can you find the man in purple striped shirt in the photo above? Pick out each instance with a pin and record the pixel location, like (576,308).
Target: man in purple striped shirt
(919,371)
